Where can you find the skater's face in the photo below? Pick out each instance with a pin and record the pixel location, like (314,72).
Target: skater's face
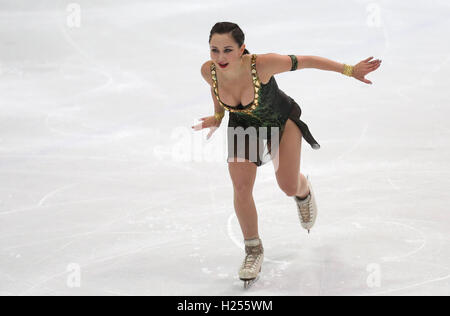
(224,50)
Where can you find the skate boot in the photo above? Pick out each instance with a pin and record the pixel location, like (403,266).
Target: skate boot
(307,208)
(250,268)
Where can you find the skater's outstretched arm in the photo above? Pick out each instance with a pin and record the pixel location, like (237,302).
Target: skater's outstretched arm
(275,63)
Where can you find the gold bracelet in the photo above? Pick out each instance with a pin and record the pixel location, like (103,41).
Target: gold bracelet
(348,70)
(219,116)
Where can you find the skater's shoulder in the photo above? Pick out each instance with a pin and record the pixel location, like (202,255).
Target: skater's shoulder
(262,67)
(206,67)
(206,71)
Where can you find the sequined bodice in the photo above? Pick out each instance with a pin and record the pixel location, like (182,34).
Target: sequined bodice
(256,85)
(270,106)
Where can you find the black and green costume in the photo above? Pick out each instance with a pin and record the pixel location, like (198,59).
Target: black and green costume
(270,108)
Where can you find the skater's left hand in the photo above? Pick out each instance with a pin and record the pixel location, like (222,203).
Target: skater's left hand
(208,122)
(364,67)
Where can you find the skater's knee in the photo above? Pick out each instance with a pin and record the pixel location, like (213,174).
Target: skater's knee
(289,190)
(288,187)
(243,190)
(243,176)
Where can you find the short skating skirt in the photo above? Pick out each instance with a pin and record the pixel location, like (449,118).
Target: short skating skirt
(262,141)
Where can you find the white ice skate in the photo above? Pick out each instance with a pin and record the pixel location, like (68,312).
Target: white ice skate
(307,208)
(250,268)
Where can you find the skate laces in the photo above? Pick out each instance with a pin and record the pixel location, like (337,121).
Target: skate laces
(252,255)
(305,208)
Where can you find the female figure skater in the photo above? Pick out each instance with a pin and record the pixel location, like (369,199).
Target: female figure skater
(241,78)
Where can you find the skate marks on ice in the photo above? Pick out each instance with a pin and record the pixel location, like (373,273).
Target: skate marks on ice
(63,245)
(416,285)
(408,255)
(101,229)
(393,185)
(97,261)
(94,262)
(48,195)
(93,65)
(63,119)
(93,68)
(34,207)
(421,240)
(357,142)
(218,271)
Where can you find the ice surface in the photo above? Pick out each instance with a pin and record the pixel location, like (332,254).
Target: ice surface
(95,110)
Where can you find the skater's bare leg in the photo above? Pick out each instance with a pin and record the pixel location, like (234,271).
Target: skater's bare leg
(287,159)
(302,188)
(243,175)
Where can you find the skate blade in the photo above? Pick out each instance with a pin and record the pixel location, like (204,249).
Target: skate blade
(250,282)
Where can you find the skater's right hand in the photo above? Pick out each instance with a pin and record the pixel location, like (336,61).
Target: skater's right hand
(208,122)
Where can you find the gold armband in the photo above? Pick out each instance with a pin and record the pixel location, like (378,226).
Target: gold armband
(219,116)
(348,70)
